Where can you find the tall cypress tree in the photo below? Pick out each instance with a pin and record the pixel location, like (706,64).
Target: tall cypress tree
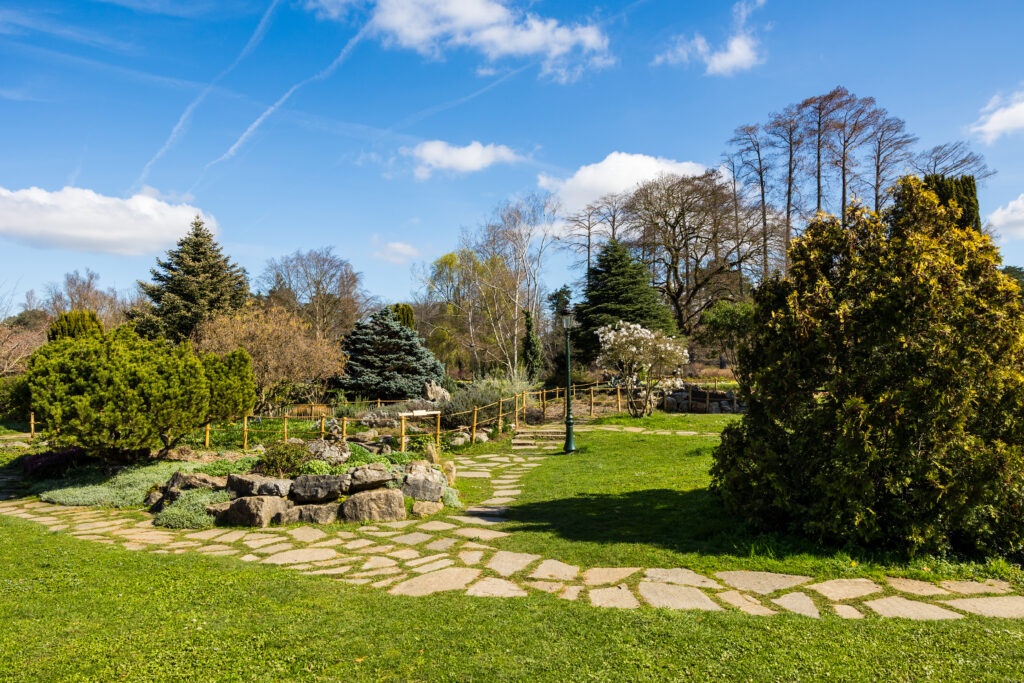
(620,289)
(194,283)
(962,190)
(531,349)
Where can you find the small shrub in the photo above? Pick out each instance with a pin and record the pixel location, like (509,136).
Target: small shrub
(315,467)
(450,498)
(189,511)
(282,460)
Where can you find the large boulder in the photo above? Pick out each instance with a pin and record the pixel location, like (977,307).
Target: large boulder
(331,452)
(425,508)
(183,481)
(257,511)
(380,505)
(309,514)
(481,437)
(372,476)
(243,485)
(319,488)
(423,482)
(434,392)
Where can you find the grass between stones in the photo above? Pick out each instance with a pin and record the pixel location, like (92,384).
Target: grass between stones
(78,610)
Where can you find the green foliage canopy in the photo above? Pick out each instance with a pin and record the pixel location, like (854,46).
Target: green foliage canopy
(386,359)
(885,388)
(74,324)
(963,191)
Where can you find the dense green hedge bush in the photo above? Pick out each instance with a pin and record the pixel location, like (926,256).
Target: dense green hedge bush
(73,324)
(885,388)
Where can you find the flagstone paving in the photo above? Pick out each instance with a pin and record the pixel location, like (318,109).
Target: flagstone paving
(454,555)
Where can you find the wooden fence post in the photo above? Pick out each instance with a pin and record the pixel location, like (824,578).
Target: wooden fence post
(344,428)
(437,433)
(716,385)
(500,399)
(31,425)
(618,399)
(378,403)
(245,433)
(689,399)
(285,437)
(472,438)
(207,439)
(402,441)
(543,406)
(322,428)
(591,401)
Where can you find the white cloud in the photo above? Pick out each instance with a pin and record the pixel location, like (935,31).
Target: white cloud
(398,253)
(1000,117)
(438,155)
(1008,221)
(82,220)
(740,52)
(618,172)
(488,26)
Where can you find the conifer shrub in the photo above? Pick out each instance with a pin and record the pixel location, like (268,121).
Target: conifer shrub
(885,382)
(283,460)
(387,360)
(73,324)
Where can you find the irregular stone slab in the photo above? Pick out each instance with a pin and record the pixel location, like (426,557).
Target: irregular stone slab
(253,511)
(471,556)
(331,571)
(183,544)
(555,570)
(135,546)
(895,606)
(210,549)
(328,543)
(231,537)
(476,546)
(799,603)
(745,603)
(441,544)
(372,476)
(433,566)
(486,511)
(387,571)
(379,505)
(915,587)
(252,485)
(405,554)
(497,501)
(845,589)
(481,534)
(1004,606)
(335,561)
(474,520)
(491,587)
(683,577)
(306,534)
(249,558)
(976,587)
(411,539)
(600,575)
(436,526)
(847,612)
(424,560)
(378,563)
(761,582)
(374,549)
(257,540)
(508,492)
(546,586)
(382,534)
(319,488)
(399,525)
(271,549)
(451,579)
(301,555)
(388,581)
(207,535)
(359,543)
(471,474)
(671,596)
(618,596)
(508,563)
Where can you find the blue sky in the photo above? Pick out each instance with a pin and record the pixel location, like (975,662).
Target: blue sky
(384,128)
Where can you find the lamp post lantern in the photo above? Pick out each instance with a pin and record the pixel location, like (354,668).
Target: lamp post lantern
(570,444)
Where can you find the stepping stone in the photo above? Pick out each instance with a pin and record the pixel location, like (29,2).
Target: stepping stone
(845,589)
(555,570)
(546,586)
(306,534)
(433,566)
(498,501)
(346,534)
(211,549)
(508,492)
(847,612)
(451,579)
(1004,606)
(436,526)
(975,587)
(378,563)
(223,552)
(619,596)
(599,575)
(207,535)
(411,539)
(301,555)
(405,554)
(476,546)
(424,560)
(386,571)
(249,558)
(799,603)
(486,511)
(359,543)
(895,606)
(915,587)
(683,577)
(399,525)
(183,544)
(357,581)
(491,587)
(261,542)
(464,474)
(231,537)
(271,549)
(474,520)
(374,549)
(508,563)
(328,543)
(675,597)
(330,571)
(388,581)
(471,556)
(481,534)
(134,546)
(745,603)
(441,544)
(382,534)
(335,561)
(761,582)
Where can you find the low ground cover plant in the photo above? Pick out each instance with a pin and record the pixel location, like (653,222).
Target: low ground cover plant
(189,510)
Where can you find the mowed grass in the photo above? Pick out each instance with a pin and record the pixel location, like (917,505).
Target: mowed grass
(75,610)
(683,422)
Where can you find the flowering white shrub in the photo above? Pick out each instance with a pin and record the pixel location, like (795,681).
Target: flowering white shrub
(639,356)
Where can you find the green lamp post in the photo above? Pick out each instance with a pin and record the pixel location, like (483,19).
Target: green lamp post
(570,444)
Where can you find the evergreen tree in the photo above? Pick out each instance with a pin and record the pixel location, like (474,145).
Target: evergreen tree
(620,289)
(195,283)
(963,191)
(74,324)
(387,360)
(531,349)
(405,315)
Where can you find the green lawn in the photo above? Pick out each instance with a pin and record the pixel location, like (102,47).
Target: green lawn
(74,610)
(683,422)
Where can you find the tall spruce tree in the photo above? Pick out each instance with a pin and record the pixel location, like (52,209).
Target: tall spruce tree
(620,289)
(531,349)
(387,360)
(194,283)
(963,191)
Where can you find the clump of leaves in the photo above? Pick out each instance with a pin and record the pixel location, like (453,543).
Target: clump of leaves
(189,510)
(282,460)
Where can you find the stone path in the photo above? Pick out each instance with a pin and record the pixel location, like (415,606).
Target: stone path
(461,552)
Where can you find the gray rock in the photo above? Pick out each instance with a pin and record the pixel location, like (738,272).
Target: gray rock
(319,488)
(714,408)
(432,391)
(195,480)
(243,485)
(385,449)
(423,483)
(372,476)
(259,448)
(286,517)
(369,434)
(217,509)
(448,467)
(380,505)
(296,441)
(460,441)
(481,437)
(317,514)
(430,453)
(670,404)
(425,508)
(256,511)
(333,453)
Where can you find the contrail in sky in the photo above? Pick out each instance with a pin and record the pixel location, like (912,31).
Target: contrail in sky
(186,116)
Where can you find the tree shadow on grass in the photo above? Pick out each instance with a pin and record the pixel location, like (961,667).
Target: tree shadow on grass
(691,521)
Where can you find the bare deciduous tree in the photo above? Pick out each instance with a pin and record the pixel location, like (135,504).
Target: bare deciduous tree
(819,123)
(786,135)
(754,152)
(952,159)
(854,119)
(889,146)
